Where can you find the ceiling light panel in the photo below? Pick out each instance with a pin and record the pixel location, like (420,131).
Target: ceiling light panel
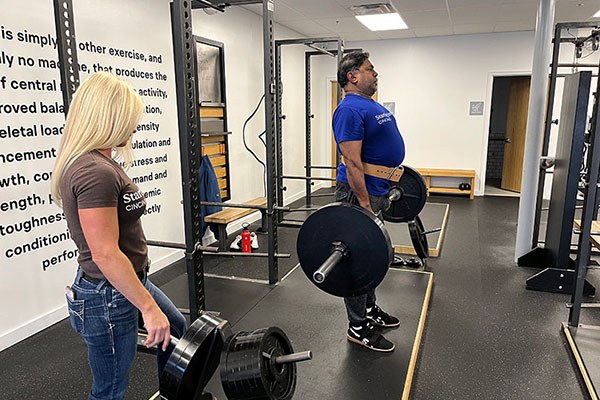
(382,22)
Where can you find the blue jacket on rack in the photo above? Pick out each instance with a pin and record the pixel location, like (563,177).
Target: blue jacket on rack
(209,191)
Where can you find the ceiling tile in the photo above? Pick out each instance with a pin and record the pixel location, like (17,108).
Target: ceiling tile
(517,12)
(424,19)
(434,31)
(317,8)
(471,3)
(342,25)
(467,29)
(569,11)
(282,13)
(359,36)
(514,26)
(474,15)
(420,5)
(403,34)
(317,18)
(307,27)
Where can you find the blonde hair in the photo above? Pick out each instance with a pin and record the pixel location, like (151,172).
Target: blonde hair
(103,114)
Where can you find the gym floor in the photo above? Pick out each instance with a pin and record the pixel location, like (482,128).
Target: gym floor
(485,337)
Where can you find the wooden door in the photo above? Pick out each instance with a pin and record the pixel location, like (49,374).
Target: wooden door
(516,125)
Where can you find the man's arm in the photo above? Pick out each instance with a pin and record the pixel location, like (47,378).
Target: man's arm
(101,230)
(355,173)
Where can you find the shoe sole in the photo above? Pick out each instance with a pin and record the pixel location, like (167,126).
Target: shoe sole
(383,326)
(353,340)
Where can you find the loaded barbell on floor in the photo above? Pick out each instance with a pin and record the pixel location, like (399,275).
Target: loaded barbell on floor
(346,250)
(259,364)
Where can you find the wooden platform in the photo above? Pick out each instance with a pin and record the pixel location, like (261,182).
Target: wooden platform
(434,215)
(316,321)
(584,344)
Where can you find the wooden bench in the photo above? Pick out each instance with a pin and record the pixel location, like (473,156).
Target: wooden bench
(228,215)
(469,174)
(594,239)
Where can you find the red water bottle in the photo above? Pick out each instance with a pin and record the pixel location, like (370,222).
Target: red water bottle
(246,240)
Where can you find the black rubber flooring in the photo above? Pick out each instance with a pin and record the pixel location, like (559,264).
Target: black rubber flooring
(486,336)
(315,321)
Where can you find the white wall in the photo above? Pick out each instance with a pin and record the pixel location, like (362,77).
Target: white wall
(432,81)
(244,85)
(31,296)
(34,279)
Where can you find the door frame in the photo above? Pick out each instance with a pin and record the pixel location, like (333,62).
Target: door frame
(487,117)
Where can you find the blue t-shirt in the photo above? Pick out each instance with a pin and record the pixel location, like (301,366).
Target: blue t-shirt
(360,118)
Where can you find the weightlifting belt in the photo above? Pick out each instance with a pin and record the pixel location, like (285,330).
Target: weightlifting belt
(392,174)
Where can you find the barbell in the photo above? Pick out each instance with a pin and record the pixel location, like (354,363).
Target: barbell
(259,364)
(346,251)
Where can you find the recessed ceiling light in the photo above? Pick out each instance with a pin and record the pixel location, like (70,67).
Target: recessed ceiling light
(382,22)
(379,16)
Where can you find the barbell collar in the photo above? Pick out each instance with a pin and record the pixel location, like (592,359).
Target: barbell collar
(338,252)
(394,194)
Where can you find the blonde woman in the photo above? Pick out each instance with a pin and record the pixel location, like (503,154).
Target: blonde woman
(103,209)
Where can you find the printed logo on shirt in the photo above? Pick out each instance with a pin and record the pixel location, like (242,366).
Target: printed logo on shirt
(134,200)
(383,118)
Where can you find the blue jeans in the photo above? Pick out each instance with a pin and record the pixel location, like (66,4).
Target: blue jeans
(356,306)
(108,323)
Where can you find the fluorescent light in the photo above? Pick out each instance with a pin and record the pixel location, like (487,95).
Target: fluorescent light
(597,15)
(382,22)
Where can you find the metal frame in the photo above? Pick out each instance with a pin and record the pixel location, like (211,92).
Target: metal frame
(557,41)
(270,92)
(588,215)
(583,355)
(67,50)
(221,47)
(188,114)
(312,43)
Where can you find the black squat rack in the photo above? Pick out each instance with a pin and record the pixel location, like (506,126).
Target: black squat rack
(189,123)
(320,47)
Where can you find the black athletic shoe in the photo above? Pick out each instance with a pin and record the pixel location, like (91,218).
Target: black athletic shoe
(367,336)
(380,318)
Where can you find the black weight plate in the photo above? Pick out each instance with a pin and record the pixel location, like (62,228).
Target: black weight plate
(418,237)
(195,359)
(413,197)
(248,370)
(368,242)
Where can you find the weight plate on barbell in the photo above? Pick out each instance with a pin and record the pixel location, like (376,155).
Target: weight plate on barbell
(418,237)
(249,371)
(413,195)
(195,359)
(369,245)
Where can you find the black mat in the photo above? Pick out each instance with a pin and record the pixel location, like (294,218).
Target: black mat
(584,343)
(433,216)
(316,321)
(232,298)
(53,363)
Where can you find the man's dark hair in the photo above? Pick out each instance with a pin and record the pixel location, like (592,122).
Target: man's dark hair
(350,62)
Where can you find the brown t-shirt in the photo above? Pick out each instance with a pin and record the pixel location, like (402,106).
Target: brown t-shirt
(95,181)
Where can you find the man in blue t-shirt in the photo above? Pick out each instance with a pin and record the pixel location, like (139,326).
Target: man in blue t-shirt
(369,141)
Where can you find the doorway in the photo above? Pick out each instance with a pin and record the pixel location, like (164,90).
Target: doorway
(506,138)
